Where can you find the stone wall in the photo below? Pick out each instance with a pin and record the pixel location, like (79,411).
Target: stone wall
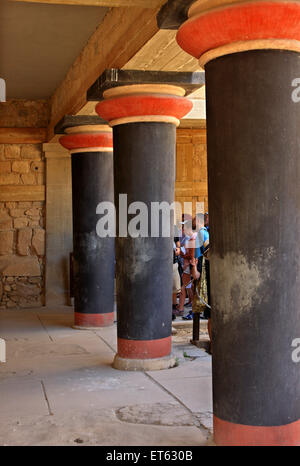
(22,226)
(59,243)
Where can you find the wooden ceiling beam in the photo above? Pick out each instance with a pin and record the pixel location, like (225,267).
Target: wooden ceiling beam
(23,135)
(103,3)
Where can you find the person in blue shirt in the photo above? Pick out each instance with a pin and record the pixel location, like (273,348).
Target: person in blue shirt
(202,239)
(202,244)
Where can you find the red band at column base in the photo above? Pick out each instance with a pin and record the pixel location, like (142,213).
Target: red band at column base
(93,320)
(144,349)
(230,434)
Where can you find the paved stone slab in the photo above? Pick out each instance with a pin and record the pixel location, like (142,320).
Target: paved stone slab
(109,335)
(17,326)
(85,393)
(22,396)
(97,427)
(41,367)
(194,392)
(88,340)
(163,414)
(58,325)
(101,386)
(186,369)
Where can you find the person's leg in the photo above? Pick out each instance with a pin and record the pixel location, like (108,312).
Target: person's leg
(190,295)
(185,281)
(180,270)
(199,265)
(174,305)
(176,286)
(209,328)
(208,311)
(207,280)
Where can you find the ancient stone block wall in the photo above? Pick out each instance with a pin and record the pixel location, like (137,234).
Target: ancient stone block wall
(22,223)
(22,207)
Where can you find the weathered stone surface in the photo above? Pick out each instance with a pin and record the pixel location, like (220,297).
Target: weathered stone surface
(28,304)
(34,223)
(31,151)
(21,113)
(34,212)
(20,222)
(24,241)
(38,241)
(15,266)
(9,178)
(27,289)
(34,280)
(6,242)
(22,192)
(5,167)
(6,224)
(11,304)
(164,414)
(37,166)
(206,420)
(17,212)
(12,151)
(41,179)
(24,205)
(28,178)
(4,216)
(10,205)
(20,166)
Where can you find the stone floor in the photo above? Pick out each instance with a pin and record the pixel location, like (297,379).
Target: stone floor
(57,387)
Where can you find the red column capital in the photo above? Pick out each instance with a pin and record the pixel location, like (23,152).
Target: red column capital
(144,103)
(88,138)
(220,27)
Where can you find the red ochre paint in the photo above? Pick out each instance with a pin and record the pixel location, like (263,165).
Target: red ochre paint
(141,105)
(78,141)
(230,434)
(93,320)
(144,349)
(251,21)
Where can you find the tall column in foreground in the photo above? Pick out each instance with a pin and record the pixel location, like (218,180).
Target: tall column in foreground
(91,150)
(144,120)
(251,57)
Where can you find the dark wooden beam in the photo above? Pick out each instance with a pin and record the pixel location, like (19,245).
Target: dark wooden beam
(23,135)
(173,13)
(69,121)
(115,77)
(100,3)
(22,193)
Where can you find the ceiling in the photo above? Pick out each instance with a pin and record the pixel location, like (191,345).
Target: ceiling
(39,43)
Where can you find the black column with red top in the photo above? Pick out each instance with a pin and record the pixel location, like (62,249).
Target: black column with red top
(250,51)
(144,120)
(91,150)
